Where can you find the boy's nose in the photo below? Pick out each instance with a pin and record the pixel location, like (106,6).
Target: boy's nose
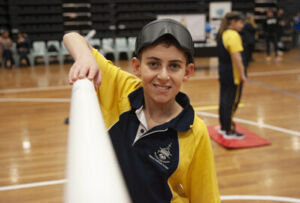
(163,74)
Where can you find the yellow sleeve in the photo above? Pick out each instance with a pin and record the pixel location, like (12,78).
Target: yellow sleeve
(232,41)
(115,87)
(202,175)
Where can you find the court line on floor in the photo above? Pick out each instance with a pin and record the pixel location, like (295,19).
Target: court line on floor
(213,107)
(226,197)
(293,71)
(62,100)
(261,125)
(260,197)
(31,185)
(274,88)
(43,100)
(34,89)
(223,198)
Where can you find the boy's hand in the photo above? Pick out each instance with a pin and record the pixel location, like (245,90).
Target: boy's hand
(85,66)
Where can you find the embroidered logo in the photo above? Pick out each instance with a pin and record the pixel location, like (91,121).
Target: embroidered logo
(162,156)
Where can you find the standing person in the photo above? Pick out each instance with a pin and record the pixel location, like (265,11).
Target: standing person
(297,28)
(7,55)
(248,36)
(1,49)
(281,23)
(163,148)
(23,48)
(231,71)
(271,34)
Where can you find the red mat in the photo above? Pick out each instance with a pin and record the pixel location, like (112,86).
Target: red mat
(250,139)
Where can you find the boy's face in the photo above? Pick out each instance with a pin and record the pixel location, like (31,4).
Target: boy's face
(162,69)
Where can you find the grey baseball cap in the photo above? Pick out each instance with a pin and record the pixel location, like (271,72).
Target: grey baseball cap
(158,28)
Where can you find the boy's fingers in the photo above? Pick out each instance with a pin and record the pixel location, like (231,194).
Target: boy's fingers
(95,85)
(83,72)
(71,72)
(98,79)
(75,74)
(92,73)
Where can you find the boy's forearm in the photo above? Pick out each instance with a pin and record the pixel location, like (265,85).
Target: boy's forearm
(85,64)
(76,44)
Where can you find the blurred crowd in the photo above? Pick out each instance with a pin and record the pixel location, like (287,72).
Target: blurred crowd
(277,27)
(279,31)
(7,49)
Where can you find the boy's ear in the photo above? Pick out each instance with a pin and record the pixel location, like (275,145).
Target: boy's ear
(136,65)
(189,71)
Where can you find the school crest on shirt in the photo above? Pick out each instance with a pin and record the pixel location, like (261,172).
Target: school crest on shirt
(162,156)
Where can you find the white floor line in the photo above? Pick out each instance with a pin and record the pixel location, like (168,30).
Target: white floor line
(34,89)
(30,185)
(261,125)
(192,78)
(223,198)
(275,72)
(209,77)
(47,100)
(260,197)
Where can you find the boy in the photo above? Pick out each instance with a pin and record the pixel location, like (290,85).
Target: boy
(163,148)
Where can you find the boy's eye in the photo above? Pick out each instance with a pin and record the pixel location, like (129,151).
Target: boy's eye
(152,64)
(174,66)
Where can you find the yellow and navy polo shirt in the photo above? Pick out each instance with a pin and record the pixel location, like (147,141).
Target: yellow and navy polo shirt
(230,42)
(172,162)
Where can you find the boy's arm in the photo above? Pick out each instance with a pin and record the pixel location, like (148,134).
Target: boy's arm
(237,60)
(85,64)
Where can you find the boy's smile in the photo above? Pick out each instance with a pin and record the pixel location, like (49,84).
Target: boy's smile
(162,69)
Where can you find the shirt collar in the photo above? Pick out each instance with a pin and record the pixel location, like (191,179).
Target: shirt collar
(182,122)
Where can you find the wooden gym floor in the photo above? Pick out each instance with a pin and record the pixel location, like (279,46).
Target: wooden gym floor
(33,137)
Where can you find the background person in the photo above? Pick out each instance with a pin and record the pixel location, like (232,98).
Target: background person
(7,55)
(248,36)
(231,72)
(23,49)
(271,34)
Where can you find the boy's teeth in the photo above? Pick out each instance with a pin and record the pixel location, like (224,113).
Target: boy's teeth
(161,87)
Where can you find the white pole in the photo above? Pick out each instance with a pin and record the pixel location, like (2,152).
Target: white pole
(93,173)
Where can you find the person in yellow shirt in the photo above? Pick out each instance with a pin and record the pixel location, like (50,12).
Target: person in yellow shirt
(231,72)
(162,146)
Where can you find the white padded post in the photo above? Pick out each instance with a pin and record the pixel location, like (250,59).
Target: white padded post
(93,173)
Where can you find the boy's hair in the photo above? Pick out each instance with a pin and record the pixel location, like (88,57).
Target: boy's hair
(168,32)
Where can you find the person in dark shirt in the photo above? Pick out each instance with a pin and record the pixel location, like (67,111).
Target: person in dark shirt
(248,36)
(271,34)
(165,155)
(23,48)
(297,28)
(281,22)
